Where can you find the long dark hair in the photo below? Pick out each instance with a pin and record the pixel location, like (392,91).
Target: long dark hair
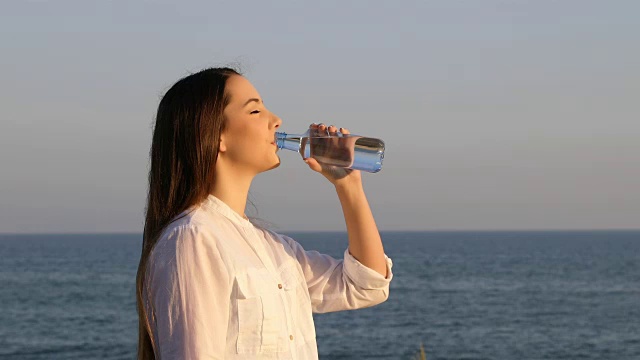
(183,155)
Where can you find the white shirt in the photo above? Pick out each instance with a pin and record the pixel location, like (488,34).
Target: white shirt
(219,287)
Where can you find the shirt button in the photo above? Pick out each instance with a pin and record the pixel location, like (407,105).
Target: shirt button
(279,286)
(291,337)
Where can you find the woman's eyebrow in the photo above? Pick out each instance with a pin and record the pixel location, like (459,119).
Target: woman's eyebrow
(251,100)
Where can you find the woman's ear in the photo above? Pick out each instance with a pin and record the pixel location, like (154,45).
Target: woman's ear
(222,147)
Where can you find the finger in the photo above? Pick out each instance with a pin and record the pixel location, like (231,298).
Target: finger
(345,131)
(313,164)
(322,130)
(333,131)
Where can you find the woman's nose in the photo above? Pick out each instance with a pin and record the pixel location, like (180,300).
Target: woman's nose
(277,121)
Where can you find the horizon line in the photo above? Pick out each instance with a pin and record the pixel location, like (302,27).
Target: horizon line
(344,231)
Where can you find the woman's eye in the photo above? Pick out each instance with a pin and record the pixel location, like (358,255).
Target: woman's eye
(255,112)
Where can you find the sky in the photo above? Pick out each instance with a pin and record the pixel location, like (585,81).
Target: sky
(496,115)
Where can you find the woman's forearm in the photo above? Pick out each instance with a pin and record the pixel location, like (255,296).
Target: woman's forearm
(364,239)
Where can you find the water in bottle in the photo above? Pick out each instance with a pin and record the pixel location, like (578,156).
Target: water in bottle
(341,150)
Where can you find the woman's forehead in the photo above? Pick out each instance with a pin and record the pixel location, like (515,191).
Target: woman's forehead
(240,89)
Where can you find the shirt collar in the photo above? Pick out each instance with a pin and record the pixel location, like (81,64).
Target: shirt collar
(220,206)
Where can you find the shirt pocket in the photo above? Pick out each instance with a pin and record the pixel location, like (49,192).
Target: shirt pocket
(257,311)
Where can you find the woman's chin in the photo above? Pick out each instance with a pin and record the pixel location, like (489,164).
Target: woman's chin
(277,164)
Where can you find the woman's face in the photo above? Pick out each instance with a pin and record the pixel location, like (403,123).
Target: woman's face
(248,140)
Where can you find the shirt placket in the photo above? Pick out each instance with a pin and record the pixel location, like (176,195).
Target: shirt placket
(261,253)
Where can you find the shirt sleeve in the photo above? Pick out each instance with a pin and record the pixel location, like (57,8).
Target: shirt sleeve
(336,285)
(189,293)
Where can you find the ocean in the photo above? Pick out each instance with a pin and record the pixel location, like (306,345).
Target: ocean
(463,295)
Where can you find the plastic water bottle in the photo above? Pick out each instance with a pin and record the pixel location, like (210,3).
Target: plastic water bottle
(341,150)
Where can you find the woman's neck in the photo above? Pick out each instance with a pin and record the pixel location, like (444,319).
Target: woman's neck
(232,189)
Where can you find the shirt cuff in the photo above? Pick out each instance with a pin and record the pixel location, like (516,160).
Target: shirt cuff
(365,277)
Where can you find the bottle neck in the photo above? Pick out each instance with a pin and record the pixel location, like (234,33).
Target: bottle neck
(288,141)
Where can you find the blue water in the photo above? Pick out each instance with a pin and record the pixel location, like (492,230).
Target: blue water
(464,295)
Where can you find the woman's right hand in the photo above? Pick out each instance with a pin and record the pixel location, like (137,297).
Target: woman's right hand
(338,148)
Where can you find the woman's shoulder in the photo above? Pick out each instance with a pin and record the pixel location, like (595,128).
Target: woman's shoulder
(196,218)
(191,227)
(187,220)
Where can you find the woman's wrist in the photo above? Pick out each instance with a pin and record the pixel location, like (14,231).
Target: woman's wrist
(348,185)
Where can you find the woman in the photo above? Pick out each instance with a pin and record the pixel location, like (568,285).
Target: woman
(212,285)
